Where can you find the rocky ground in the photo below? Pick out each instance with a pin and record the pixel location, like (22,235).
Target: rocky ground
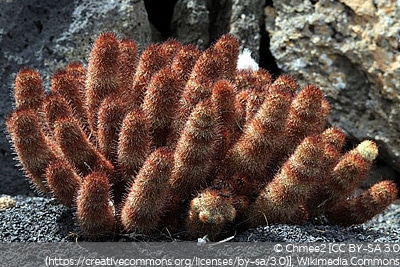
(37,219)
(348,48)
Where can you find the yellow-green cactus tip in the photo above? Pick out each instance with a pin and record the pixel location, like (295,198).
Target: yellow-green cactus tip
(368,149)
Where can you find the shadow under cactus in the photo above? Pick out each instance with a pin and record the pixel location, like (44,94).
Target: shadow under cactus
(188,141)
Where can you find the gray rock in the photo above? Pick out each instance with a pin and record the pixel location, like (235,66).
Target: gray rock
(350,49)
(245,24)
(190,22)
(203,21)
(46,35)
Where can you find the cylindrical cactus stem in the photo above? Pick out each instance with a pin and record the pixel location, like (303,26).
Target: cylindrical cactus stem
(111,114)
(148,196)
(284,83)
(77,148)
(283,199)
(159,104)
(228,46)
(68,83)
(333,139)
(63,181)
(149,63)
(133,144)
(182,66)
(205,73)
(364,207)
(253,80)
(55,107)
(184,62)
(210,212)
(195,151)
(128,60)
(168,51)
(350,171)
(323,115)
(33,149)
(78,70)
(247,103)
(153,58)
(102,76)
(223,101)
(28,89)
(256,147)
(304,118)
(95,211)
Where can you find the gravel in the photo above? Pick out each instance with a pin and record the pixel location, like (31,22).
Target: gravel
(38,219)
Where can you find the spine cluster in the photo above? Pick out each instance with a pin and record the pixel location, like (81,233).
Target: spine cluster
(181,139)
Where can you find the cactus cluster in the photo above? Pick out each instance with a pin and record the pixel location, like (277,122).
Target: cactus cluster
(186,140)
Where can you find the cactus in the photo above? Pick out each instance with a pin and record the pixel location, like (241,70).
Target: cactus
(183,139)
